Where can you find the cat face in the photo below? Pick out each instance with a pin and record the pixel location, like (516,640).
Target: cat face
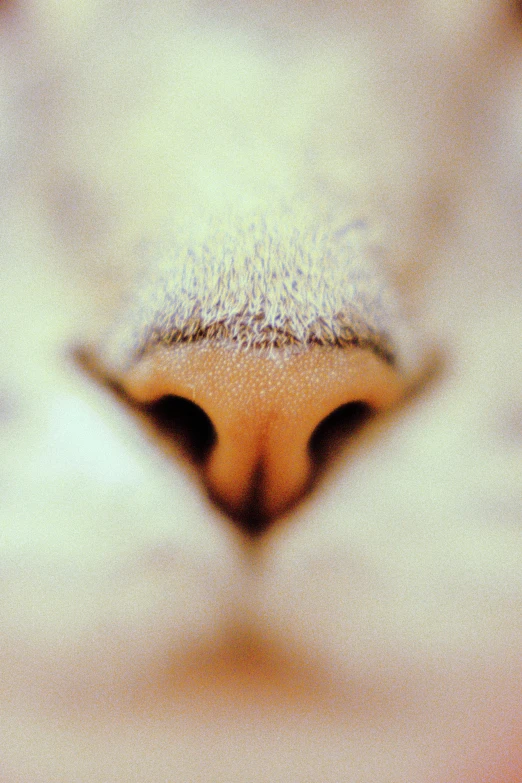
(270,211)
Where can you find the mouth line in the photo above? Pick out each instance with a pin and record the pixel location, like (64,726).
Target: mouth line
(242,672)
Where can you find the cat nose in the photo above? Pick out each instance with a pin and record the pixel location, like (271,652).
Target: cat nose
(264,407)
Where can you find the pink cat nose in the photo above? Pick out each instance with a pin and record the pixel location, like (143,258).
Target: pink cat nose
(264,408)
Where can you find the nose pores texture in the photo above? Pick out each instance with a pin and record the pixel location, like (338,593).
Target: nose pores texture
(269,323)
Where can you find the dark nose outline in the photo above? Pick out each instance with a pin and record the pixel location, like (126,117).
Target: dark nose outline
(264,409)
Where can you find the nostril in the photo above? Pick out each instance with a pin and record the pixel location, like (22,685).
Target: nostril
(174,418)
(336,429)
(183,422)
